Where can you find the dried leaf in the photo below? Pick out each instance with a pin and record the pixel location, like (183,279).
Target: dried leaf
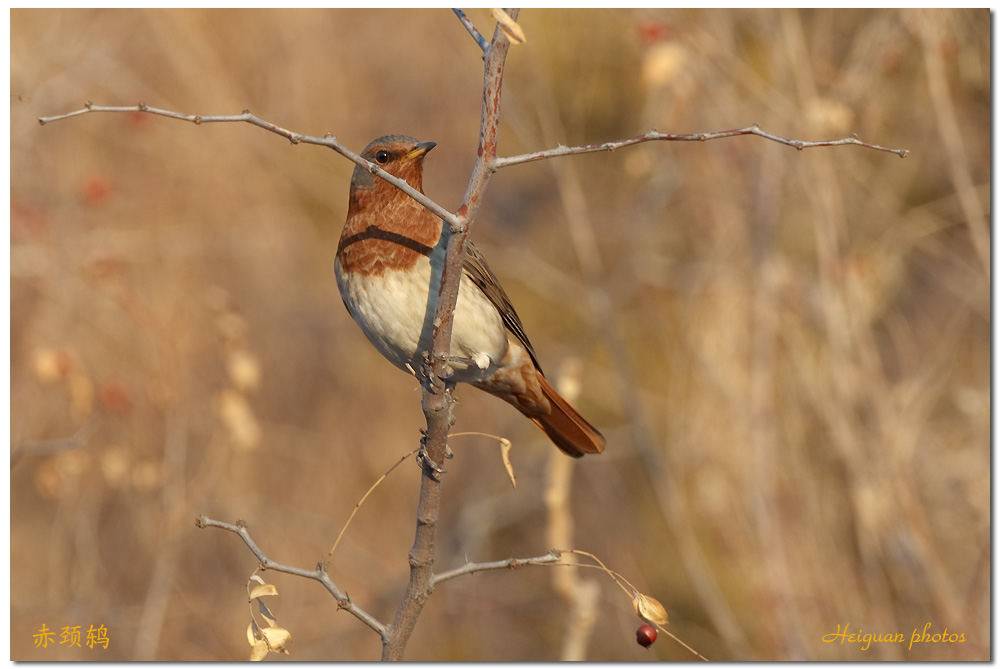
(649,609)
(259,651)
(276,638)
(263,590)
(252,633)
(256,577)
(508,26)
(505,446)
(266,612)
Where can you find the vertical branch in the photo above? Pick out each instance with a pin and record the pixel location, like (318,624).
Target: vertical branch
(437,393)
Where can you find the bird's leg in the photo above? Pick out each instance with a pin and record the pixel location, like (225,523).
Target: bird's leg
(433,383)
(478,360)
(428,379)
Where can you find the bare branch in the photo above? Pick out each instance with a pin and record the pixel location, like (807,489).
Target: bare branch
(467,22)
(437,396)
(317,574)
(653,135)
(552,557)
(436,400)
(247,116)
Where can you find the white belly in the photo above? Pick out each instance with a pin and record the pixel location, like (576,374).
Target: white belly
(395,309)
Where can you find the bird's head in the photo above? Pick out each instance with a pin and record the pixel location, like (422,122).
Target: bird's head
(399,155)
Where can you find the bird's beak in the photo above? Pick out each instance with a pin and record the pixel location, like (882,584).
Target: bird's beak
(419,150)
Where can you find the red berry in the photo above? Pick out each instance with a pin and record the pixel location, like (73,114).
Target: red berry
(645,635)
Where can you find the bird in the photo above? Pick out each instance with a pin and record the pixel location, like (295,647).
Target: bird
(388,268)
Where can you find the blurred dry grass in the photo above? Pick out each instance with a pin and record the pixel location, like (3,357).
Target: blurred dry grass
(794,377)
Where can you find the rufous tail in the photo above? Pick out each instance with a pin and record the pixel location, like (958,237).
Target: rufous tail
(565,427)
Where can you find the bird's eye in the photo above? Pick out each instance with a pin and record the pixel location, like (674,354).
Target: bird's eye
(382,157)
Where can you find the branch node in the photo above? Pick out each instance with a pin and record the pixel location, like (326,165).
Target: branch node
(197,120)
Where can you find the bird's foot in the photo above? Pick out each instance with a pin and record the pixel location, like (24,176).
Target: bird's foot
(478,360)
(430,467)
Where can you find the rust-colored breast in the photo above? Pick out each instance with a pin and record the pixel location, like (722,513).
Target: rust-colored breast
(385,230)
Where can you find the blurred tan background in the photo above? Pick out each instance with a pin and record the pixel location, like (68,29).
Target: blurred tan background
(788,351)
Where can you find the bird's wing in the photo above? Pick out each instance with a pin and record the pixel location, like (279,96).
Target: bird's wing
(479,272)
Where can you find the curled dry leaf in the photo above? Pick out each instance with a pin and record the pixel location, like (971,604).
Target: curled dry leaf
(259,651)
(266,613)
(505,446)
(267,639)
(263,590)
(508,26)
(276,638)
(649,609)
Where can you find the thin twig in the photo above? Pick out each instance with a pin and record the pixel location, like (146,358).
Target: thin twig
(247,116)
(630,590)
(364,497)
(317,574)
(552,557)
(476,35)
(653,135)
